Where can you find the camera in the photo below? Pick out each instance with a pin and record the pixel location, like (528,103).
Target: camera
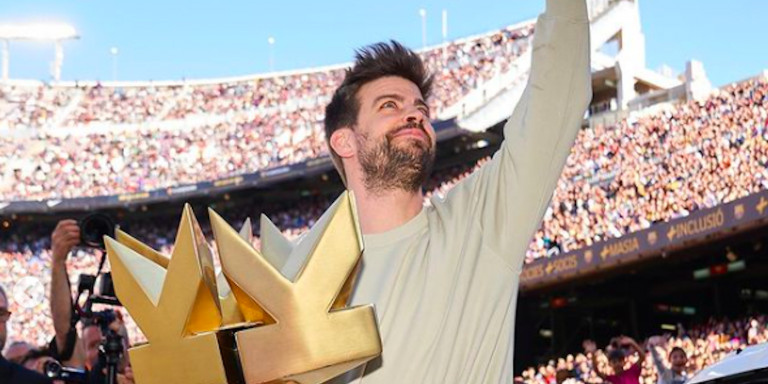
(55,371)
(101,288)
(93,228)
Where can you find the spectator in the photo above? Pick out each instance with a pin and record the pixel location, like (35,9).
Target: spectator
(621,349)
(676,373)
(704,344)
(12,373)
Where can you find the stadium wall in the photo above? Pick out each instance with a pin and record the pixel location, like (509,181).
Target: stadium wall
(658,240)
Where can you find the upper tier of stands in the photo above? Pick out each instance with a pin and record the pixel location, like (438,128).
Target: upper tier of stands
(74,140)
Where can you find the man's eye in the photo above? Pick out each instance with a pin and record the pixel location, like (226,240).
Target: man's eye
(425,111)
(389,104)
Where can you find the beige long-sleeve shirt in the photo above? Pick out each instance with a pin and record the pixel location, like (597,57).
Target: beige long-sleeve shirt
(445,284)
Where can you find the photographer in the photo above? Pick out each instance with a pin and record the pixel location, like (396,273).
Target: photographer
(73,349)
(12,373)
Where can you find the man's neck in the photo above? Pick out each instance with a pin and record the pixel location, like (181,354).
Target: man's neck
(383,211)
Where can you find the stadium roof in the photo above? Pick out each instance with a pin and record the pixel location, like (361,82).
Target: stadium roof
(38,31)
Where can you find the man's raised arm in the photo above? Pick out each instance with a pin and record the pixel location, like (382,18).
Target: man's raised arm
(64,238)
(513,190)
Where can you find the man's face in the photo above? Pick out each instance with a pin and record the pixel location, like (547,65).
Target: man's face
(91,340)
(3,320)
(394,138)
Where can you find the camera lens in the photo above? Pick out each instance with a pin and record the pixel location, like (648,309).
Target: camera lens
(52,369)
(94,227)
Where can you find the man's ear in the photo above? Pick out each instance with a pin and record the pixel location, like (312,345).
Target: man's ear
(343,142)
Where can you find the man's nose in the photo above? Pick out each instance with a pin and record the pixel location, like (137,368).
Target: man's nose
(414,115)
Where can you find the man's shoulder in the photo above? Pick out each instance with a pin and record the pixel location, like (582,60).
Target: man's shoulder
(11,373)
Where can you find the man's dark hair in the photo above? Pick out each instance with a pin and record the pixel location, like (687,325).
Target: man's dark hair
(371,63)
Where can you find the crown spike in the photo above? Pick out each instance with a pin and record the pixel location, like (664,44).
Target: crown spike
(274,246)
(246,231)
(138,282)
(240,262)
(142,249)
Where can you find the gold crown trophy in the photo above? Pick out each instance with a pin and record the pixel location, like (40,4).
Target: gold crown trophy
(251,324)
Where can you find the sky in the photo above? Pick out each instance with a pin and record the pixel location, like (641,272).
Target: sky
(172,39)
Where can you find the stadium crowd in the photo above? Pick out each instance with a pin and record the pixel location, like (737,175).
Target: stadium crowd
(459,66)
(623,178)
(255,125)
(618,179)
(703,345)
(22,107)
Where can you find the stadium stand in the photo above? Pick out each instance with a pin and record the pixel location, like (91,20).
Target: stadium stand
(704,344)
(267,122)
(92,139)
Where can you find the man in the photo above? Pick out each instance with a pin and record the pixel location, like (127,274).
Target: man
(12,373)
(678,359)
(621,348)
(67,346)
(444,278)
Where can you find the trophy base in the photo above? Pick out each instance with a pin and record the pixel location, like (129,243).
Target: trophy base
(323,374)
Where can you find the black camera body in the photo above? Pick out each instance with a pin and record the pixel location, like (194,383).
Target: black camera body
(55,371)
(101,288)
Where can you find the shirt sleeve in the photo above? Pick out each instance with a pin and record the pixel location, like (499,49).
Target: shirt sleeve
(508,196)
(657,361)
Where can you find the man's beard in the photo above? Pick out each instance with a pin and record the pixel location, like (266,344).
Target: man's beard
(388,167)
